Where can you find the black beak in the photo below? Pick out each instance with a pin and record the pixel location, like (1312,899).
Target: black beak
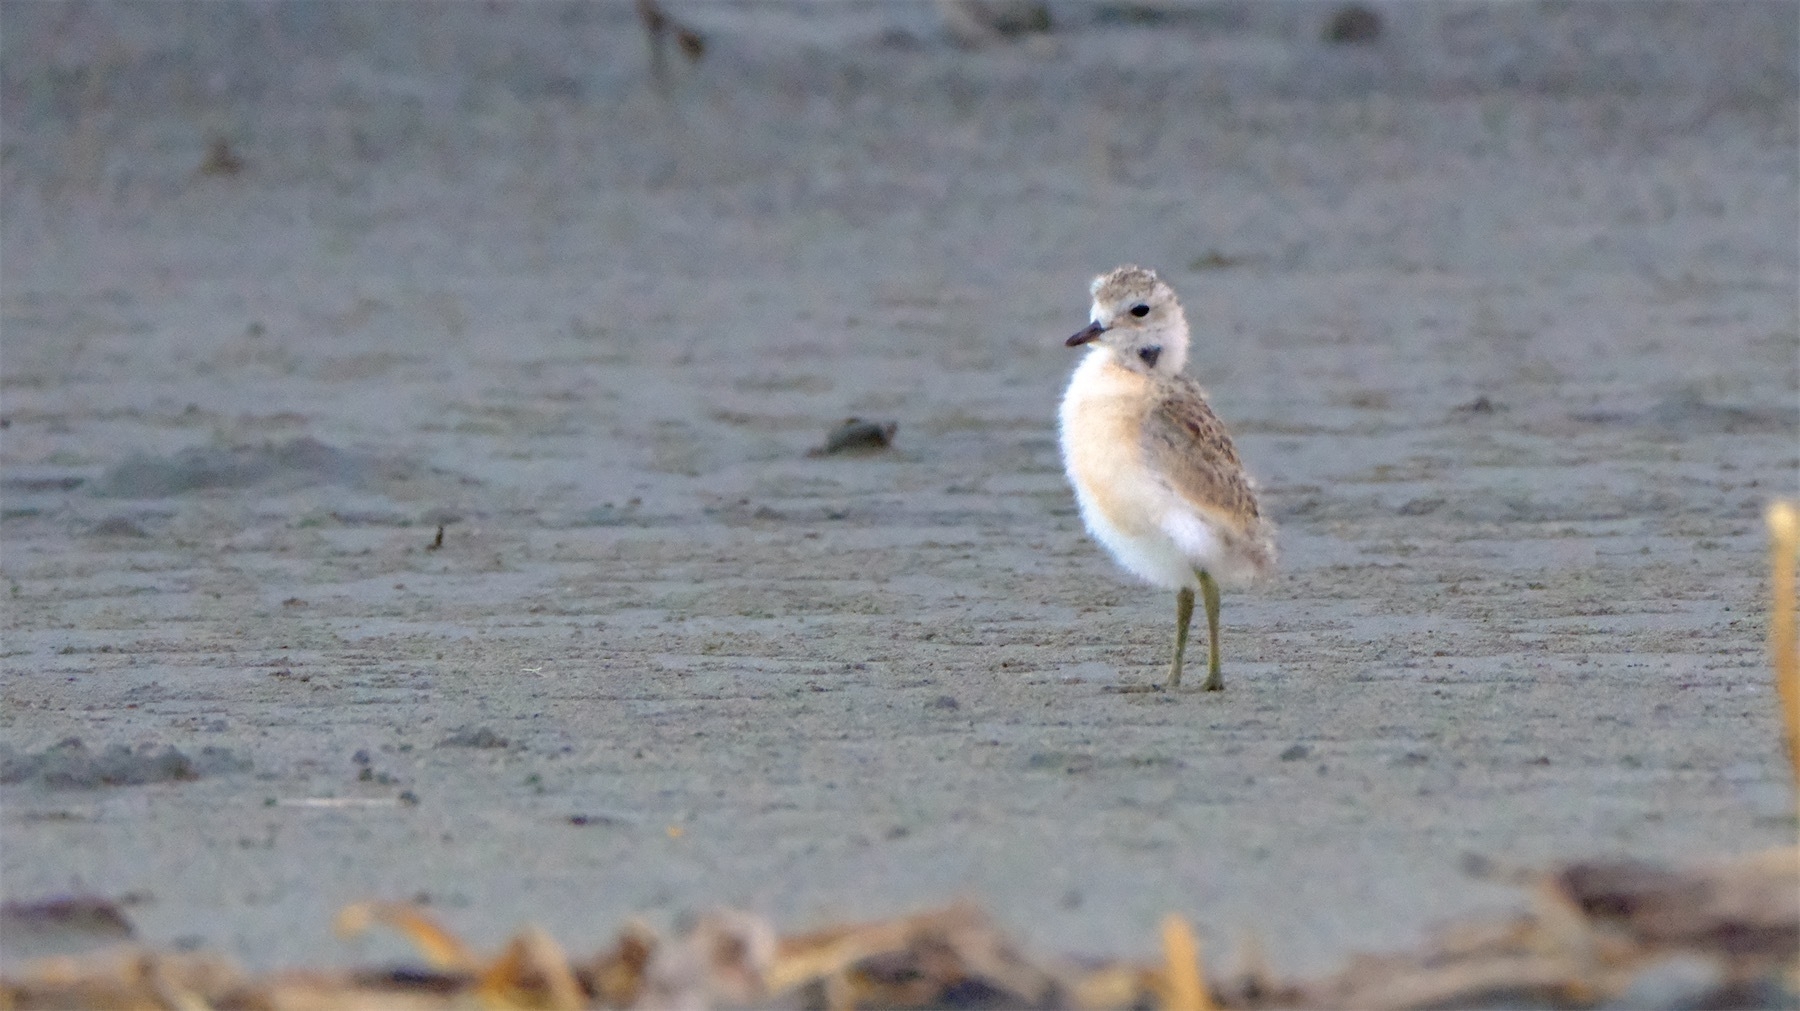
(1093,332)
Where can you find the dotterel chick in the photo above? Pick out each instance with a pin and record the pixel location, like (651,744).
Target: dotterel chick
(1155,474)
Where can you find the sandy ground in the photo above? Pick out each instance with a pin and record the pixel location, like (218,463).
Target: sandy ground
(1502,308)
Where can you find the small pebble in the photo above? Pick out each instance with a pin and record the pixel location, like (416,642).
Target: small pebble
(1353,24)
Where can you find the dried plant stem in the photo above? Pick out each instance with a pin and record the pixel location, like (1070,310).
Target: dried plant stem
(1784,548)
(442,949)
(1185,984)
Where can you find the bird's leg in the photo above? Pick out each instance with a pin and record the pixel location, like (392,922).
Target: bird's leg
(1209,592)
(1184,615)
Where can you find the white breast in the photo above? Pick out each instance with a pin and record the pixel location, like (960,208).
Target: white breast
(1124,504)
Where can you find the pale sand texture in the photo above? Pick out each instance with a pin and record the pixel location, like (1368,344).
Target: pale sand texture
(500,279)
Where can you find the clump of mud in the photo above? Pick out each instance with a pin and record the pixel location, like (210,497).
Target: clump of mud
(473,737)
(292,464)
(69,764)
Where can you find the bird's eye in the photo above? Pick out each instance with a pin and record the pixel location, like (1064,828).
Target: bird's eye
(1140,310)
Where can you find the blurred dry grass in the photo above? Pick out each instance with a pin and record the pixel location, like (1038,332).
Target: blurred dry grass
(1621,934)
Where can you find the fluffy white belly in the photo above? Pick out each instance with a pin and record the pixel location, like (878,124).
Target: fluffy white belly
(1152,556)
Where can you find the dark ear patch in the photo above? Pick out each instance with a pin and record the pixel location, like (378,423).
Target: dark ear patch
(1150,354)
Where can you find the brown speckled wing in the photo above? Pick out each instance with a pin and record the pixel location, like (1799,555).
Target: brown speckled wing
(1188,444)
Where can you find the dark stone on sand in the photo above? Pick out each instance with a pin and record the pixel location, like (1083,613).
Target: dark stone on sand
(1354,24)
(857,436)
(220,159)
